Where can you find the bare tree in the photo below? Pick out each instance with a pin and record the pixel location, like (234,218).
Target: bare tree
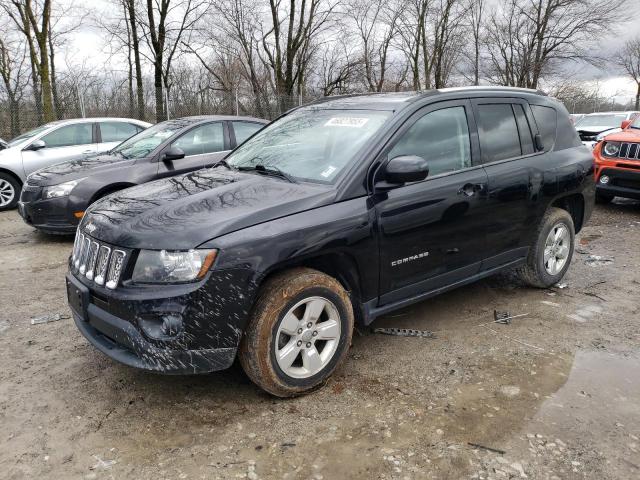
(629,59)
(164,24)
(527,38)
(32,17)
(13,67)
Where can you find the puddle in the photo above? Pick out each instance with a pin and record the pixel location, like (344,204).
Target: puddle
(597,411)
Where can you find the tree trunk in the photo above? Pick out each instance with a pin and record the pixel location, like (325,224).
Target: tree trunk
(135,44)
(54,84)
(638,97)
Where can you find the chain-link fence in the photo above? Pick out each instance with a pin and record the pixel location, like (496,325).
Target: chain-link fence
(17,119)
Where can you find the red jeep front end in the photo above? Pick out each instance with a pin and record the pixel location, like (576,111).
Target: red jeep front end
(617,162)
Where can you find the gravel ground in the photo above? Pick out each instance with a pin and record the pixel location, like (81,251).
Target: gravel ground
(555,394)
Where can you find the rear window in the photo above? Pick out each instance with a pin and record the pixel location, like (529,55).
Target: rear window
(547,122)
(117,131)
(498,130)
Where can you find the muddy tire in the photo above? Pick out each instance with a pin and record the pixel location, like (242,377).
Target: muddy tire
(550,255)
(9,192)
(299,332)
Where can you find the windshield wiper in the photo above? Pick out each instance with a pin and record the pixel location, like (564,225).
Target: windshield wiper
(224,163)
(270,170)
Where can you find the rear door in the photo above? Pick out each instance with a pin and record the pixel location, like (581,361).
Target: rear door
(204,146)
(431,233)
(112,133)
(68,142)
(506,130)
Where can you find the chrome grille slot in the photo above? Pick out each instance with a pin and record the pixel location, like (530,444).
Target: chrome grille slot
(101,264)
(74,253)
(115,268)
(84,254)
(92,257)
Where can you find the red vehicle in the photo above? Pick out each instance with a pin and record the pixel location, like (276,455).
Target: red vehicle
(617,161)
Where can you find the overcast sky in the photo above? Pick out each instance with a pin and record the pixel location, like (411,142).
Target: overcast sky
(87,45)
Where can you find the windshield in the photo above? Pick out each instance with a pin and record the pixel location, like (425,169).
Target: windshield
(609,120)
(636,122)
(310,144)
(145,142)
(28,135)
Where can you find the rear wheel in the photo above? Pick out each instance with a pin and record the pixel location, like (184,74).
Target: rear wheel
(9,192)
(550,256)
(299,332)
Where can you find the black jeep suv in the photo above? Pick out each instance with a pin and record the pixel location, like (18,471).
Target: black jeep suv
(339,211)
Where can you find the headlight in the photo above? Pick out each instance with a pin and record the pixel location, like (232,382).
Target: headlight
(164,266)
(611,149)
(60,190)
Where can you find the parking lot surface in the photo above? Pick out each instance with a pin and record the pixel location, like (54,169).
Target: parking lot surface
(554,394)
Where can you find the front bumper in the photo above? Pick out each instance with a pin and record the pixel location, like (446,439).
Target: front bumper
(112,320)
(53,215)
(622,183)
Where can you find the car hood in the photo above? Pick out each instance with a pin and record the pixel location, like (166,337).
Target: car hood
(628,135)
(595,130)
(185,211)
(80,168)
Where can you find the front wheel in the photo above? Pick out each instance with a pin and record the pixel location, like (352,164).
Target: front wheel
(550,255)
(299,332)
(9,192)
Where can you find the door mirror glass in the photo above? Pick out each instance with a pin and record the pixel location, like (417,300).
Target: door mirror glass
(405,169)
(625,124)
(37,145)
(173,153)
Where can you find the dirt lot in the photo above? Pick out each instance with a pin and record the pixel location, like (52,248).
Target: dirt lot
(556,394)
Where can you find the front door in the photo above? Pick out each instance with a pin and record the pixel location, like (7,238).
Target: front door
(432,232)
(203,146)
(68,142)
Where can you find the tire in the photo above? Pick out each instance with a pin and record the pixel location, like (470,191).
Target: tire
(603,198)
(539,272)
(9,192)
(290,295)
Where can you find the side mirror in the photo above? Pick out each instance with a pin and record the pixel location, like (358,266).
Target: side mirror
(405,169)
(173,153)
(625,124)
(37,145)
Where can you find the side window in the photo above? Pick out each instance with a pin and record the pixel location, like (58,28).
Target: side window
(244,130)
(440,137)
(498,132)
(78,134)
(547,122)
(117,131)
(526,140)
(206,138)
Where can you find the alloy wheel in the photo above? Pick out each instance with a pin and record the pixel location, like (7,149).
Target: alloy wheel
(7,193)
(307,337)
(556,249)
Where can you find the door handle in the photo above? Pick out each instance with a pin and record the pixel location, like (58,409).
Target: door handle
(470,189)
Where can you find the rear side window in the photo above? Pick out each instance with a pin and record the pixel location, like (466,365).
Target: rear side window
(244,130)
(78,134)
(441,138)
(524,129)
(547,122)
(117,131)
(499,137)
(207,138)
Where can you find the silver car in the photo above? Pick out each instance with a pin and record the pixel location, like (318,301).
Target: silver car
(57,142)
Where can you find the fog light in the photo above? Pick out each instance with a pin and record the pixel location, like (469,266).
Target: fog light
(78,214)
(161,326)
(604,179)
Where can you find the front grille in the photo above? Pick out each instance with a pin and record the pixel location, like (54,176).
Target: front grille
(30,193)
(97,261)
(629,150)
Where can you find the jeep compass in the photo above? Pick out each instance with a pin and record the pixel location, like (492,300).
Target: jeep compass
(336,213)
